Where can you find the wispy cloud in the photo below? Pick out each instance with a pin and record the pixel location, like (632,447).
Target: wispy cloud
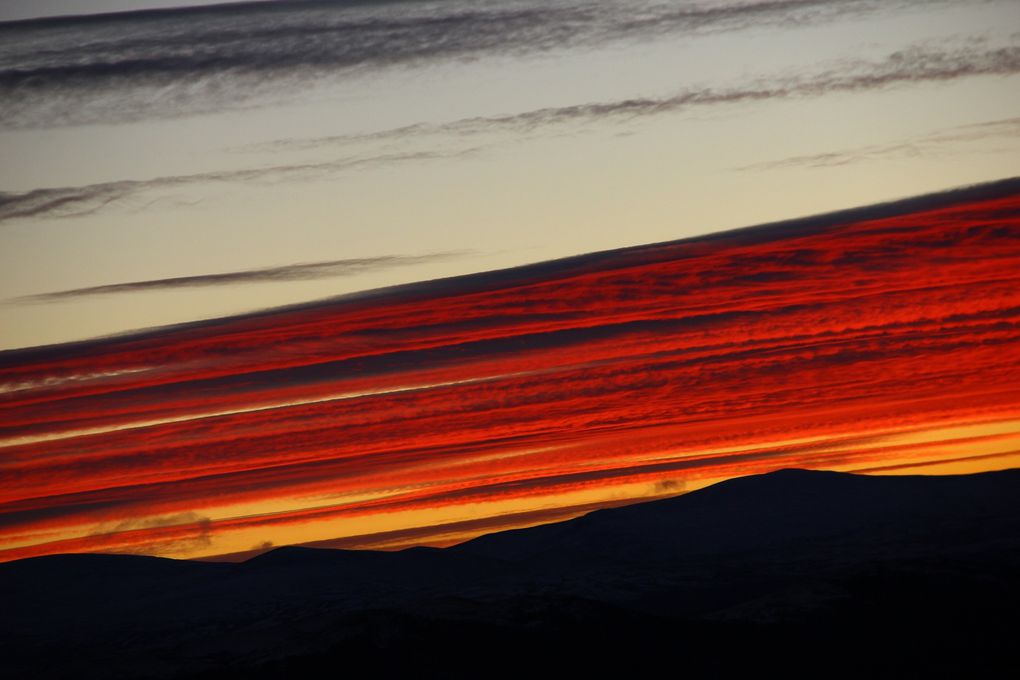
(191,60)
(948,140)
(89,198)
(294,272)
(918,64)
(190,532)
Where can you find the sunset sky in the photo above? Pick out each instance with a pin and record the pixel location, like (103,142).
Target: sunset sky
(202,165)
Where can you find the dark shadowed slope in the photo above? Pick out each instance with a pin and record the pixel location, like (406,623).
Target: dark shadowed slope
(790,509)
(791,567)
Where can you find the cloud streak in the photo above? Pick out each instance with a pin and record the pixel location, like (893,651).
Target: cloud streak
(880,337)
(915,65)
(130,66)
(63,202)
(295,272)
(939,142)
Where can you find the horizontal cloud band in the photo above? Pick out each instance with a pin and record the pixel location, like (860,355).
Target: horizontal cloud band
(886,337)
(294,272)
(191,60)
(915,65)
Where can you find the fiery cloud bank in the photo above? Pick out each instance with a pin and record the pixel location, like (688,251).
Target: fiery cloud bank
(881,339)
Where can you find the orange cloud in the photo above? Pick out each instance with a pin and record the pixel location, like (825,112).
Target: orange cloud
(882,339)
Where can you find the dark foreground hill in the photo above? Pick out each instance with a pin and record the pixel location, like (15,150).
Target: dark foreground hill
(802,573)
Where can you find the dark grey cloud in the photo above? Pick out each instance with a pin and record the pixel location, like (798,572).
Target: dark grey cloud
(62,201)
(918,64)
(89,198)
(108,68)
(293,272)
(948,140)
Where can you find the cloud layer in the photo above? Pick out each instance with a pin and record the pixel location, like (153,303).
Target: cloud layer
(881,338)
(918,64)
(75,70)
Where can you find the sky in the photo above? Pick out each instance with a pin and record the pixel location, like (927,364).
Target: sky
(195,165)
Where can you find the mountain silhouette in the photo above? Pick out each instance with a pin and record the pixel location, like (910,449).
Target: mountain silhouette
(796,572)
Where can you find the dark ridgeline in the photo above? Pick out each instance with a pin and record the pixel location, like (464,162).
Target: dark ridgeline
(795,572)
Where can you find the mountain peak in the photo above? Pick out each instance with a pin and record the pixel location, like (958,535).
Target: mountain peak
(787,546)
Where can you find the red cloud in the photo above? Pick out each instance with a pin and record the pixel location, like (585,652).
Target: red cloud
(787,345)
